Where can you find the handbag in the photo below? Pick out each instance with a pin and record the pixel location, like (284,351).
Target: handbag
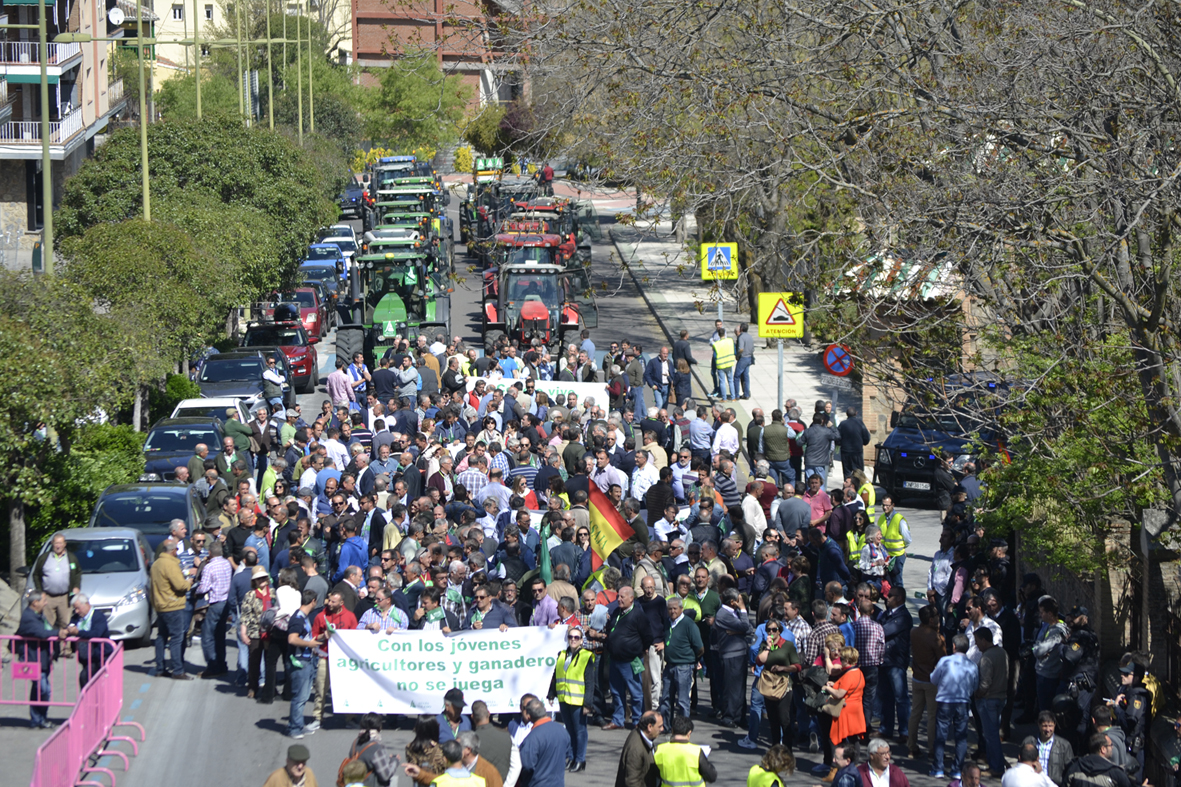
(834,708)
(773,686)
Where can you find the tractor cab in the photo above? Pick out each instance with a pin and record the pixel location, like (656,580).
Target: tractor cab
(519,248)
(529,299)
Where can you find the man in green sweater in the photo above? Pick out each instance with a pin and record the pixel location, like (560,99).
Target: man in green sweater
(682,651)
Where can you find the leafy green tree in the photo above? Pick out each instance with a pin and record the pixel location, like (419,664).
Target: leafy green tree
(416,106)
(483,132)
(177,97)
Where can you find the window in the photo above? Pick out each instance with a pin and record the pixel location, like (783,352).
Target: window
(178,13)
(209,13)
(204,51)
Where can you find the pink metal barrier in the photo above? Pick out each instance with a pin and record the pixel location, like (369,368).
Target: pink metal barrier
(64,671)
(64,759)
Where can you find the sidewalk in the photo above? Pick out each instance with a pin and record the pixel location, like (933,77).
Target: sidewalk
(671,284)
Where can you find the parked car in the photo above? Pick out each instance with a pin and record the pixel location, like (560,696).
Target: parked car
(293,340)
(116,566)
(148,508)
(313,310)
(171,442)
(239,373)
(352,201)
(213,407)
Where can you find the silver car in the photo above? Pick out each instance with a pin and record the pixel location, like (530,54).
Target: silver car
(116,567)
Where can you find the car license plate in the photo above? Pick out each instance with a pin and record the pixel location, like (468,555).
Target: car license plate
(920,485)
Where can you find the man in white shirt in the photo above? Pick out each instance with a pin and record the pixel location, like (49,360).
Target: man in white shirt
(604,475)
(726,438)
(336,449)
(978,619)
(940,572)
(1028,771)
(644,476)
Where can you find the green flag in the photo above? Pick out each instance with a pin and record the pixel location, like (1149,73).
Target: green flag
(543,565)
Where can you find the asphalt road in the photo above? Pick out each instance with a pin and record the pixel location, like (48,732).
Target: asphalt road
(206,732)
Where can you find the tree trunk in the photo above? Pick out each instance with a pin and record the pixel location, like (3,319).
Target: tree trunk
(16,542)
(137,411)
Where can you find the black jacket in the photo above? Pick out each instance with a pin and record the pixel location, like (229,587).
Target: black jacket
(657,612)
(853,433)
(629,634)
(1094,769)
(658,496)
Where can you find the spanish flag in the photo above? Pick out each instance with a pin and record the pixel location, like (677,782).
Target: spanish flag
(607,528)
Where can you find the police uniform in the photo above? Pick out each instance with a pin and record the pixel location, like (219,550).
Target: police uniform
(1080,655)
(1133,713)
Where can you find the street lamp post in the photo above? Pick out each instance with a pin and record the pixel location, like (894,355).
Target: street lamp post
(299,77)
(311,104)
(270,74)
(143,119)
(197,52)
(241,91)
(46,163)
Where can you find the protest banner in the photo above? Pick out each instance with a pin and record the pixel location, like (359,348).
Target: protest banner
(556,390)
(410,671)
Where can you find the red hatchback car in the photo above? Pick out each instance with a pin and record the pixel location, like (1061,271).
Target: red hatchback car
(313,312)
(293,340)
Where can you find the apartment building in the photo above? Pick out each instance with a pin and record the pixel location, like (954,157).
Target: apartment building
(82,102)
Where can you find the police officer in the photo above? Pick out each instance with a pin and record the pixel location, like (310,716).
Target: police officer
(683,763)
(1133,708)
(1080,672)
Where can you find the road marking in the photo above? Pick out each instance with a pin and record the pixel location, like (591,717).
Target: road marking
(144,688)
(135,704)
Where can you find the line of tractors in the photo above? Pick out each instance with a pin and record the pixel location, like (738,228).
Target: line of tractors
(534,251)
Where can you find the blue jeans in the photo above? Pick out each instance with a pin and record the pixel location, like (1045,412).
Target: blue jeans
(660,394)
(726,383)
(742,377)
(301,689)
(678,680)
(40,690)
(575,722)
(170,628)
(213,636)
(243,651)
(757,706)
(896,571)
(893,694)
(812,470)
(954,716)
(624,682)
(784,473)
(638,406)
(990,726)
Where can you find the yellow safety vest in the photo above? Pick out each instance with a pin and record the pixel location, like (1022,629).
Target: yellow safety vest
(892,534)
(724,350)
(447,780)
(688,603)
(870,507)
(570,673)
(677,761)
(761,778)
(855,542)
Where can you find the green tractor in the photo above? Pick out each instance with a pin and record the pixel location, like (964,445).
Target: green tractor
(403,292)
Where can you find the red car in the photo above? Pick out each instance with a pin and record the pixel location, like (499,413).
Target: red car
(313,312)
(297,346)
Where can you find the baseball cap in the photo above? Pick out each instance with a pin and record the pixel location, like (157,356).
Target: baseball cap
(454,697)
(1128,669)
(298,753)
(1077,610)
(231,411)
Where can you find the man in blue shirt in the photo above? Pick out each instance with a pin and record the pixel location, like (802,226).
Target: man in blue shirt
(543,752)
(955,679)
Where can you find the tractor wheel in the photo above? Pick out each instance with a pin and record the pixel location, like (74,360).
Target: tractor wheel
(350,339)
(491,338)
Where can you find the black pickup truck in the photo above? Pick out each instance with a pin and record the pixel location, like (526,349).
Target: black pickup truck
(352,201)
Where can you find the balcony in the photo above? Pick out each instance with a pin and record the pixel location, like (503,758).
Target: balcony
(5,100)
(29,52)
(114,92)
(28,132)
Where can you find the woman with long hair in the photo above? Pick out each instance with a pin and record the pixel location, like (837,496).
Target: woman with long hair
(381,765)
(424,751)
(521,489)
(779,657)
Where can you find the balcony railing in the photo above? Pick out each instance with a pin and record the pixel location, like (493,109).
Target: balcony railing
(3,92)
(29,131)
(114,92)
(26,52)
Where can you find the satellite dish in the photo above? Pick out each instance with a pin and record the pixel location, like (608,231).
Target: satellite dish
(116,16)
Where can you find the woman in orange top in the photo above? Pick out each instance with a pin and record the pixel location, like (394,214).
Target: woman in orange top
(851,685)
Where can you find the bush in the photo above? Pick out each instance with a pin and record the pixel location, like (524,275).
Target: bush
(464,160)
(177,387)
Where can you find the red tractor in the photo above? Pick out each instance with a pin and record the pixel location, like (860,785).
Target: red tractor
(531,295)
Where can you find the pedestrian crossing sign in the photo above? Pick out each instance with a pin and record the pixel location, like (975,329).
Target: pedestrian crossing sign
(719,261)
(781,315)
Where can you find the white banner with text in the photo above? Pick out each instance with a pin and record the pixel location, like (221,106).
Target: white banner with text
(410,671)
(556,390)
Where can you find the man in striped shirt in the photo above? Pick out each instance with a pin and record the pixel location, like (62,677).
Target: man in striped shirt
(215,583)
(384,617)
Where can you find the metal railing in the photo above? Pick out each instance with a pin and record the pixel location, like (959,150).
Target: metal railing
(90,682)
(29,131)
(3,91)
(24,52)
(114,92)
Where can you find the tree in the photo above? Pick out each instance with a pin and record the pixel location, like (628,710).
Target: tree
(177,97)
(416,106)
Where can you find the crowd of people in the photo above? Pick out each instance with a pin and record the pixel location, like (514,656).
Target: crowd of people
(771,602)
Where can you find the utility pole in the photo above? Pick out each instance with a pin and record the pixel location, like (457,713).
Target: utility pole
(270,73)
(197,52)
(46,162)
(143,120)
(311,100)
(241,86)
(299,77)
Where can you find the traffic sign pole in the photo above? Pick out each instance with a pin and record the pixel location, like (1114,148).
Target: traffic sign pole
(779,399)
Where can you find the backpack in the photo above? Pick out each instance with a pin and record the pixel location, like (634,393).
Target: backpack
(354,756)
(272,621)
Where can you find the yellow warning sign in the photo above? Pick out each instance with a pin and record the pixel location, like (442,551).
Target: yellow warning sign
(781,315)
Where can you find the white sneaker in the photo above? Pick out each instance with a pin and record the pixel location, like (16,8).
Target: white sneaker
(747,743)
(312,727)
(813,743)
